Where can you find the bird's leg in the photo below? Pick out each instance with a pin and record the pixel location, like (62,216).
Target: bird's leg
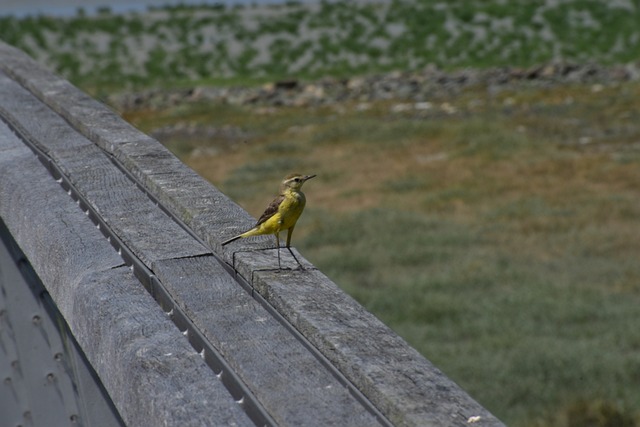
(294,257)
(278,244)
(289,233)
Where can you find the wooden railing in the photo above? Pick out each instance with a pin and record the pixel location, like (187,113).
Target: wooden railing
(179,330)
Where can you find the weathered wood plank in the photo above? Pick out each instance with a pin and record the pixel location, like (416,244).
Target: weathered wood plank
(34,340)
(148,231)
(150,370)
(25,186)
(83,112)
(10,144)
(195,201)
(135,219)
(265,257)
(394,376)
(152,374)
(291,383)
(41,122)
(201,206)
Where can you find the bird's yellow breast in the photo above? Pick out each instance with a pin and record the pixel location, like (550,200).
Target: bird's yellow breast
(288,213)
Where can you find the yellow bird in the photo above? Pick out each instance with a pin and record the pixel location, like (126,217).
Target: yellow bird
(282,214)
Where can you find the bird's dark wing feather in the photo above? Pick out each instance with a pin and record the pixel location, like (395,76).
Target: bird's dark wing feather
(271,209)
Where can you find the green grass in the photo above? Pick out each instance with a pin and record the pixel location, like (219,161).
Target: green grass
(179,44)
(496,243)
(521,330)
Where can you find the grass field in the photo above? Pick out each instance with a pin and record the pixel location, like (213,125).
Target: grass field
(498,232)
(502,240)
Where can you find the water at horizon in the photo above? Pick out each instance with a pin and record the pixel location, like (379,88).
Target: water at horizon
(21,8)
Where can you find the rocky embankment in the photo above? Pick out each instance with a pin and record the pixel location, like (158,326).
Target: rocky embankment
(420,86)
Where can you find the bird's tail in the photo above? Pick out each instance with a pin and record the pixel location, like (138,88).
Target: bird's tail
(255,231)
(233,239)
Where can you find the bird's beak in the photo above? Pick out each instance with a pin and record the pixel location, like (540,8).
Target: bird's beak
(309,177)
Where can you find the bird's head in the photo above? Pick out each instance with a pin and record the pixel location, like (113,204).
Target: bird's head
(294,181)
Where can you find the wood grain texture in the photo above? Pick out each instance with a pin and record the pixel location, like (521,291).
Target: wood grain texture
(10,145)
(40,121)
(93,119)
(289,381)
(201,206)
(264,257)
(149,368)
(394,376)
(152,374)
(58,250)
(138,222)
(195,201)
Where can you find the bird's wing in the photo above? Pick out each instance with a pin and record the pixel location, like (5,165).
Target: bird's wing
(271,209)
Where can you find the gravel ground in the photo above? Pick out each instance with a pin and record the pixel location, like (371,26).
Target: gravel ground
(413,90)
